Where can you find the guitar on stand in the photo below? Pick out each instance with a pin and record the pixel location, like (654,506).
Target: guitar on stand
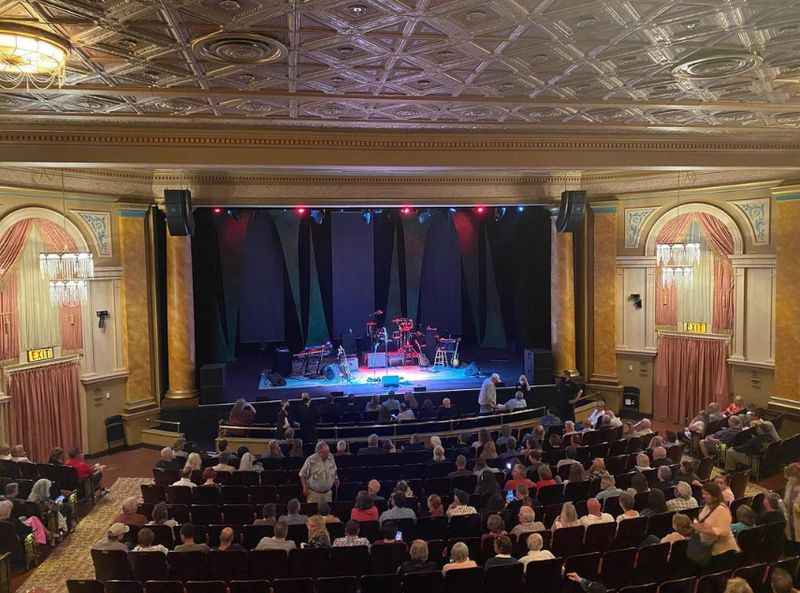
(344,368)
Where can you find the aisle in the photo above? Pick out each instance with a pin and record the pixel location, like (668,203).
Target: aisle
(72,559)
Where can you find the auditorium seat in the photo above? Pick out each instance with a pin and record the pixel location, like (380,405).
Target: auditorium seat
(148,566)
(630,533)
(660,524)
(504,579)
(205,587)
(567,541)
(310,562)
(751,542)
(388,583)
(586,565)
(245,478)
(228,565)
(686,585)
(249,586)
(646,588)
(253,534)
(178,495)
(237,514)
(120,586)
(205,514)
(464,580)
(429,528)
(713,583)
(550,495)
(754,574)
(153,493)
(213,532)
(268,564)
(298,534)
(206,495)
(111,565)
(261,495)
(679,563)
(350,560)
(385,558)
(790,565)
(774,536)
(292,586)
(600,536)
(179,512)
(617,567)
(464,526)
(336,585)
(165,586)
(188,565)
(84,586)
(651,564)
(235,494)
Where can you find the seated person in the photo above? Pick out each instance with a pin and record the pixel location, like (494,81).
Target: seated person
(351,536)
(167,460)
(660,457)
(594,513)
(459,558)
(568,517)
(187,541)
(397,510)
(388,532)
(745,519)
(269,515)
(278,540)
(781,581)
(418,561)
(414,442)
(342,449)
(185,479)
(130,514)
(435,506)
(527,522)
(772,510)
(682,529)
(113,538)
(446,411)
(570,453)
(406,414)
(495,527)
(535,552)
(160,516)
(517,478)
(763,434)
(145,542)
(364,508)
(225,463)
(460,505)
(656,503)
(710,445)
(502,553)
(461,470)
(373,446)
(517,402)
(683,498)
(293,516)
(318,535)
(627,503)
(18,454)
(608,488)
(227,541)
(94,473)
(735,407)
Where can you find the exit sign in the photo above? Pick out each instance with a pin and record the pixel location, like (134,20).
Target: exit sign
(40,354)
(695,327)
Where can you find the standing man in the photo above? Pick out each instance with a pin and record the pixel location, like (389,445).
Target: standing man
(569,392)
(308,418)
(487,398)
(318,475)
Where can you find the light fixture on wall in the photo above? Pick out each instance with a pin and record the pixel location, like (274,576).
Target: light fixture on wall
(678,259)
(31,56)
(67,271)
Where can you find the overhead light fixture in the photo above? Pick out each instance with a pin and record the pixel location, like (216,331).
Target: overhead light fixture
(66,271)
(677,260)
(217,211)
(233,213)
(405,210)
(520,208)
(499,213)
(31,56)
(424,216)
(367,216)
(480,209)
(318,216)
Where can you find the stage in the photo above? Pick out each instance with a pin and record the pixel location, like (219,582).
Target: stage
(245,377)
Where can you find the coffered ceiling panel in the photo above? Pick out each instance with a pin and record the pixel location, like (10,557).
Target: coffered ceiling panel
(504,64)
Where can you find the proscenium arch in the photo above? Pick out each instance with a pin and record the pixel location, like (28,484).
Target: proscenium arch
(53,216)
(694,208)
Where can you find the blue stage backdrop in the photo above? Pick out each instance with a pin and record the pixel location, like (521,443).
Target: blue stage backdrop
(272,276)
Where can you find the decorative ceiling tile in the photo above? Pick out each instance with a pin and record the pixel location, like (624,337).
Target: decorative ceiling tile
(635,219)
(99,225)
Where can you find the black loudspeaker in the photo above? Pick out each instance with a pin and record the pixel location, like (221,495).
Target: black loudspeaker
(630,402)
(212,375)
(283,361)
(538,366)
(571,211)
(276,380)
(178,204)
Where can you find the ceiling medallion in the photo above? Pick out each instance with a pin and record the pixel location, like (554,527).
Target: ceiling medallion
(714,64)
(357,10)
(32,57)
(239,48)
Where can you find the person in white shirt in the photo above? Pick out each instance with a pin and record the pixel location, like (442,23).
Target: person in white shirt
(516,403)
(626,503)
(145,539)
(460,505)
(279,541)
(487,398)
(186,478)
(18,454)
(351,536)
(405,414)
(535,551)
(595,513)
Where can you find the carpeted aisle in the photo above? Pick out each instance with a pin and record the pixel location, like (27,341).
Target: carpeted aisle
(71,559)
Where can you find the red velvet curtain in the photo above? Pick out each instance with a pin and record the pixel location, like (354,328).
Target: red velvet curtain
(690,373)
(9,332)
(666,296)
(44,408)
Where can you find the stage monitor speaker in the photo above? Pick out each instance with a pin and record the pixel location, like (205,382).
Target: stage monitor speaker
(212,375)
(391,381)
(276,380)
(538,365)
(178,204)
(331,372)
(571,211)
(283,362)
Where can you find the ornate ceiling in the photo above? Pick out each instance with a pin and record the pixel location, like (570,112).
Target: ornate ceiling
(663,65)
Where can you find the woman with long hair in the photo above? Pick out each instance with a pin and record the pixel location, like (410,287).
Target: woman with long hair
(567,518)
(318,536)
(194,462)
(713,524)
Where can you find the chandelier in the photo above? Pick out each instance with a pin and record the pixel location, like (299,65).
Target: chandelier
(66,271)
(31,56)
(677,260)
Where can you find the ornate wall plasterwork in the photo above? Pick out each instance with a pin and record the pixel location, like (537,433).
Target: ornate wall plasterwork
(757,212)
(635,218)
(99,224)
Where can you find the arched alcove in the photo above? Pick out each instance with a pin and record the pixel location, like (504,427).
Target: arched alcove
(53,216)
(694,208)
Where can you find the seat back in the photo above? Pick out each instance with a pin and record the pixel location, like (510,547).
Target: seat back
(714,582)
(178,494)
(750,541)
(754,574)
(617,569)
(464,580)
(84,586)
(385,558)
(651,565)
(111,565)
(544,575)
(163,587)
(293,586)
(586,565)
(309,562)
(254,534)
(678,586)
(249,586)
(464,526)
(205,587)
(350,560)
(269,564)
(228,565)
(600,535)
(630,532)
(336,585)
(568,541)
(149,566)
(123,587)
(188,565)
(504,579)
(390,583)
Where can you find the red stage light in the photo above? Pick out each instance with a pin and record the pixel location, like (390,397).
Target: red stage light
(405,210)
(480,209)
(217,210)
(300,211)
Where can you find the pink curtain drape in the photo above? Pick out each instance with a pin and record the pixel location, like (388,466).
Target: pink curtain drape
(690,374)
(721,241)
(11,244)
(666,296)
(9,332)
(44,409)
(57,239)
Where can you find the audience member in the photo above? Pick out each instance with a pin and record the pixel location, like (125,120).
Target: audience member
(683,498)
(446,411)
(318,536)
(351,536)
(318,475)
(568,517)
(576,473)
(293,516)
(18,455)
(461,470)
(374,490)
(724,486)
(656,503)
(502,553)
(373,446)
(781,581)
(364,508)
(397,511)
(594,514)
(57,456)
(545,477)
(714,526)
(160,516)
(418,559)
(187,540)
(435,506)
(681,529)
(686,473)
(527,522)
(709,446)
(113,538)
(269,515)
(460,505)
(209,477)
(495,526)
(535,552)
(167,460)
(459,558)
(186,478)
(517,478)
(745,519)
(772,510)
(626,503)
(278,540)
(145,542)
(227,543)
(225,463)
(608,488)
(130,513)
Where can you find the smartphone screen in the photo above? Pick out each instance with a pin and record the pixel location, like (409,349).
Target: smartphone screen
(60,498)
(509,496)
(398,537)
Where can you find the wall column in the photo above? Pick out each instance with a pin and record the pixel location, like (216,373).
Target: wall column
(137,327)
(562,301)
(786,221)
(180,322)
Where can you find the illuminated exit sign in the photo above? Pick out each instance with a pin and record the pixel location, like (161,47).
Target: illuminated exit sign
(40,354)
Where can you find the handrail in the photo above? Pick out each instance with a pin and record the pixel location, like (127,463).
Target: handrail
(177,423)
(502,418)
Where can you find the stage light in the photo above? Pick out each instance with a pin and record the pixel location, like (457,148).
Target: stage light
(480,209)
(405,210)
(452,210)
(520,208)
(300,211)
(424,216)
(499,213)
(217,211)
(318,216)
(367,216)
(233,213)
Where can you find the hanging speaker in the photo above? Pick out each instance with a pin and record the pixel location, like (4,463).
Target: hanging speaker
(178,203)
(571,211)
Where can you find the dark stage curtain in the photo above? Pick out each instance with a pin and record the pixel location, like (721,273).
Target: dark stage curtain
(353,271)
(440,293)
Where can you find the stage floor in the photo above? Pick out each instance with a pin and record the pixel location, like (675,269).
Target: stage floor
(244,377)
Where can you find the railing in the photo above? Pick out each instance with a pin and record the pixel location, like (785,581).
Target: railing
(174,423)
(397,430)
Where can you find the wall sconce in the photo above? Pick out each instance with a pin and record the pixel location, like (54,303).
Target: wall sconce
(102,316)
